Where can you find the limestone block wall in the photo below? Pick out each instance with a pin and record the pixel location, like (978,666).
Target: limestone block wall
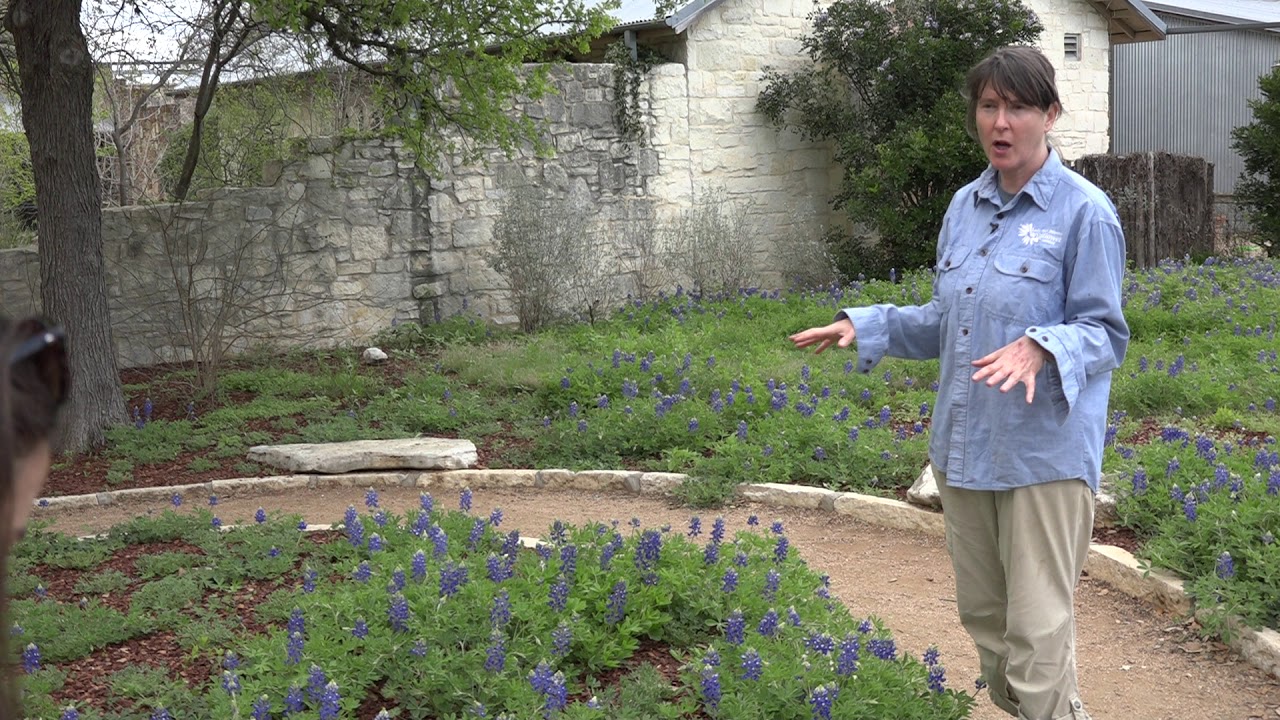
(1084,84)
(320,258)
(731,144)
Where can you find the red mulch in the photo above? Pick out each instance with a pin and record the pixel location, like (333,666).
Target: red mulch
(87,677)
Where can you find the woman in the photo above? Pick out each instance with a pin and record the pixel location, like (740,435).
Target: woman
(33,385)
(1027,291)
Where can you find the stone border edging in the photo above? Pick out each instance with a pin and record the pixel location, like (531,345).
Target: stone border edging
(1112,565)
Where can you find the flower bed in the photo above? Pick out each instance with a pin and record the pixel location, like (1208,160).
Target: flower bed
(442,614)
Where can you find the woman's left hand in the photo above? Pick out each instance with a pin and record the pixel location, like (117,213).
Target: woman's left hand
(1017,362)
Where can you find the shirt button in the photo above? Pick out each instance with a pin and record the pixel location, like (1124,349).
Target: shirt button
(1024,268)
(947,264)
(964,331)
(968,291)
(983,252)
(1044,338)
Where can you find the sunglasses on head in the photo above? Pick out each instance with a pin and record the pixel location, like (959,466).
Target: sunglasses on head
(52,369)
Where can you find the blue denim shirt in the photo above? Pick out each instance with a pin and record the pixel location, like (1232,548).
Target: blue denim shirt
(1049,265)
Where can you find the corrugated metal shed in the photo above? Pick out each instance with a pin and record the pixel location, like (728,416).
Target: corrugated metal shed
(1187,93)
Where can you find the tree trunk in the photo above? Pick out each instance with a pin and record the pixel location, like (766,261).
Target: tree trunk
(56,76)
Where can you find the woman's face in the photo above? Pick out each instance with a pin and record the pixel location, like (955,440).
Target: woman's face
(1014,136)
(29,474)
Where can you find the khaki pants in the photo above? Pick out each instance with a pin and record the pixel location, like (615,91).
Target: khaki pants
(1017,556)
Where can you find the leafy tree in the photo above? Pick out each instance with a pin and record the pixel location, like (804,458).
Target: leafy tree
(885,88)
(1259,145)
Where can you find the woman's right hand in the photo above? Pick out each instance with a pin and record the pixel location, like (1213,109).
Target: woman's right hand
(840,333)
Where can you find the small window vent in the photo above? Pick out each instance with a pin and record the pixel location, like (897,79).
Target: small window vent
(1071,46)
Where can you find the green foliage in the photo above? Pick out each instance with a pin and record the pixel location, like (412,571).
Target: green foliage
(101,583)
(885,89)
(1258,144)
(67,632)
(448,90)
(628,74)
(17,184)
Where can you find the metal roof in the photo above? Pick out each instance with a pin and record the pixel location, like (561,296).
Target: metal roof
(1226,11)
(1129,20)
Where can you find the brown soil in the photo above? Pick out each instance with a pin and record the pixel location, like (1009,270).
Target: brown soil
(1136,663)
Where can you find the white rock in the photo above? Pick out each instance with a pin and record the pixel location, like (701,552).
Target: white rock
(925,490)
(373,356)
(345,457)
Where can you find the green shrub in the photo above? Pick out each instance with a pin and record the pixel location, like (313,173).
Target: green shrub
(884,88)
(1258,144)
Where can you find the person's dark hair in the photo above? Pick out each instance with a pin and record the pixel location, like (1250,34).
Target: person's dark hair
(34,382)
(1015,72)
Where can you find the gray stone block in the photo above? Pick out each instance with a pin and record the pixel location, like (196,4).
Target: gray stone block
(334,458)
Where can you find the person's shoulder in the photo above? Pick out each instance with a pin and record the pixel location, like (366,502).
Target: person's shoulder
(1085,197)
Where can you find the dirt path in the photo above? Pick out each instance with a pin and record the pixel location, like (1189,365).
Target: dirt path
(1136,663)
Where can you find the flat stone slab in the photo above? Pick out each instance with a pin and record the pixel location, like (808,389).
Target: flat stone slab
(346,457)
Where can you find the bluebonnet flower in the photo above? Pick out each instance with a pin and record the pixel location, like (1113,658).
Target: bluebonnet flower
(735,628)
(511,544)
(330,702)
(499,568)
(821,700)
(793,617)
(582,426)
(16,630)
(176,500)
(452,578)
(752,665)
(780,549)
(216,523)
(496,655)
(397,579)
(398,613)
(1226,566)
(768,626)
(477,533)
(302,525)
(309,581)
(561,640)
(717,530)
(711,687)
(930,656)
(495,517)
(70,714)
(1189,507)
(380,518)
(937,679)
(355,532)
(740,559)
(558,595)
(293,650)
(361,629)
(375,543)
(819,454)
(617,603)
(230,682)
(1273,482)
(439,541)
(767,451)
(1172,467)
(362,573)
(847,657)
(730,581)
(419,566)
(771,581)
(419,649)
(602,402)
(821,643)
(464,500)
(693,424)
(161,714)
(273,552)
(564,383)
(371,498)
(31,658)
(297,624)
(315,683)
(711,554)
(1139,481)
(426,502)
(776,528)
(885,648)
(648,550)
(753,520)
(230,661)
(213,500)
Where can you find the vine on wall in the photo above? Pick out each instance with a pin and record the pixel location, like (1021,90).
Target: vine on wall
(628,73)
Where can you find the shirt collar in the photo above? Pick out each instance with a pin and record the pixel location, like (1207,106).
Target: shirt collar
(1040,187)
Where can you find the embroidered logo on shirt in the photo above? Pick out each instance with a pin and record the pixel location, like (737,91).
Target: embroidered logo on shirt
(1031,235)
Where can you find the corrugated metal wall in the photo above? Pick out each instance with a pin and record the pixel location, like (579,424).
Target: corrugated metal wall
(1186,94)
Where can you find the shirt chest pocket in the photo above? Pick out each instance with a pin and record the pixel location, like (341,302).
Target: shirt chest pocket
(1025,288)
(951,272)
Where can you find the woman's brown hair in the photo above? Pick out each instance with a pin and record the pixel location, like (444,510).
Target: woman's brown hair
(34,382)
(1015,72)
